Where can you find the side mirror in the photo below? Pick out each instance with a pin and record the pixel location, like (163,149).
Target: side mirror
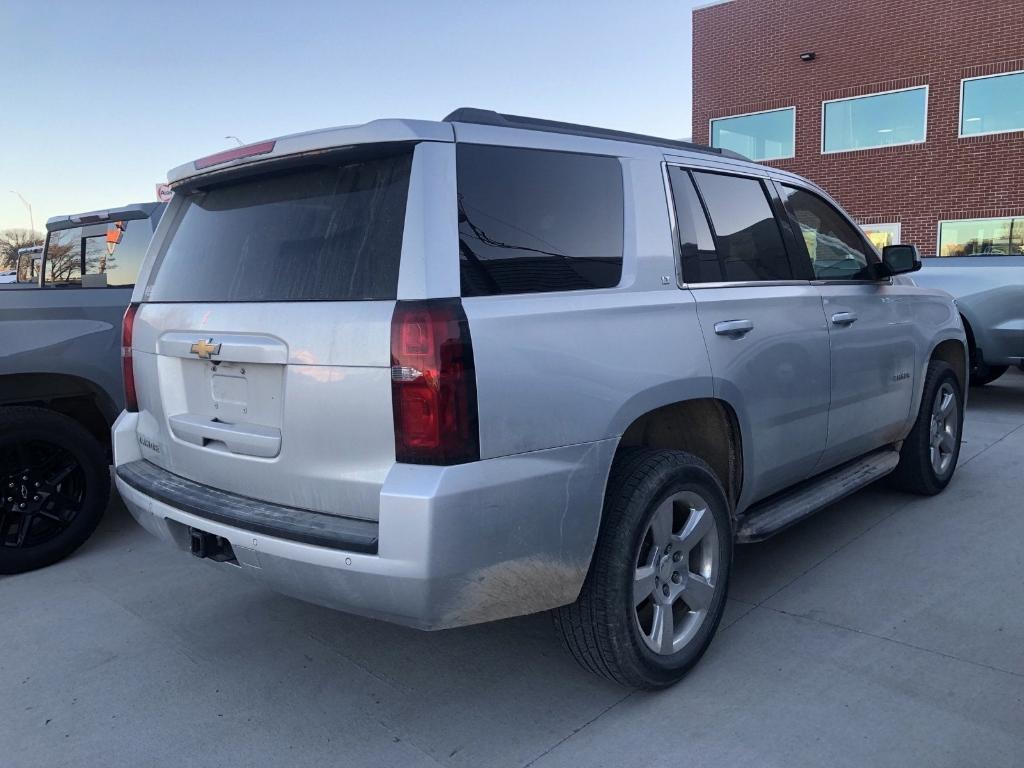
(900,259)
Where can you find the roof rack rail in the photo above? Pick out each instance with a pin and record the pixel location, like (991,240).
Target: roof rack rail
(490,117)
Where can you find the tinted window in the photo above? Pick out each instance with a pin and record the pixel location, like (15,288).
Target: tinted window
(696,246)
(532,221)
(761,136)
(97,255)
(320,233)
(836,250)
(748,238)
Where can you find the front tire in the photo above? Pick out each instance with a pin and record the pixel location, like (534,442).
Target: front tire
(930,452)
(54,487)
(657,584)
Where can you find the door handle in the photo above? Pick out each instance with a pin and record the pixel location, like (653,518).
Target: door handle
(844,318)
(734,328)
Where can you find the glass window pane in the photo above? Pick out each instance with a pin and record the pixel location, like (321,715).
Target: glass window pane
(696,246)
(110,254)
(748,237)
(875,121)
(881,235)
(321,233)
(532,221)
(993,104)
(64,257)
(976,237)
(764,136)
(121,250)
(836,250)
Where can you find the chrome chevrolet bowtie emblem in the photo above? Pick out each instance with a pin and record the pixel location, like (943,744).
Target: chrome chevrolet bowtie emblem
(204,348)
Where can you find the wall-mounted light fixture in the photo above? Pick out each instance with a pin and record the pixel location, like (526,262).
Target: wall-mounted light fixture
(807,56)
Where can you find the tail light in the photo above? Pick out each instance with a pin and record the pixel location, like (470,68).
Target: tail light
(131,400)
(433,383)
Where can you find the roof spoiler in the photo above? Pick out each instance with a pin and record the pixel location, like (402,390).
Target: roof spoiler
(490,117)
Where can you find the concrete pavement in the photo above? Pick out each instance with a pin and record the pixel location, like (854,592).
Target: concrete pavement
(887,630)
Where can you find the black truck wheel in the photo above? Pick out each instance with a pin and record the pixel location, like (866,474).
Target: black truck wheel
(54,487)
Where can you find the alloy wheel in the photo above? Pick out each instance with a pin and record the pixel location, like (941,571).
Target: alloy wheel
(676,572)
(945,424)
(43,490)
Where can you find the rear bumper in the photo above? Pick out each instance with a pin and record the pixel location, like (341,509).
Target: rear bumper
(454,545)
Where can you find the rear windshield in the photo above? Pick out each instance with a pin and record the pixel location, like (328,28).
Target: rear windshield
(318,233)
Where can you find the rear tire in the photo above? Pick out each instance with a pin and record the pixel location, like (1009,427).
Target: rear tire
(931,450)
(657,584)
(54,487)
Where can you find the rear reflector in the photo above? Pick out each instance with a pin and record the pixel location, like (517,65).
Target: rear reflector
(234,154)
(433,384)
(131,401)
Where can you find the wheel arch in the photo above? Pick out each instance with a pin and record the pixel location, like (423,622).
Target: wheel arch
(74,396)
(956,353)
(706,427)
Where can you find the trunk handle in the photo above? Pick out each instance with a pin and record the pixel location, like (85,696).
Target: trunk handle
(244,439)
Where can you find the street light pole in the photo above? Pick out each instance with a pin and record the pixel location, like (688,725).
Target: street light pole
(27,204)
(236,139)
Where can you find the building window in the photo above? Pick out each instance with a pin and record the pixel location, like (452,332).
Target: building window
(877,120)
(767,135)
(882,235)
(993,104)
(976,237)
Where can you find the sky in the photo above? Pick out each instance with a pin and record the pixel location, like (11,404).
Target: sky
(103,98)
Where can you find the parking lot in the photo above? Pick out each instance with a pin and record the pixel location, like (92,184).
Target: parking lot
(887,630)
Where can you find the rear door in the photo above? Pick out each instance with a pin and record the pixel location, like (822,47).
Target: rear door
(262,346)
(763,325)
(870,327)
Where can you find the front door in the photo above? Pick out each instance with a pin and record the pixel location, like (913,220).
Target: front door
(765,330)
(871,333)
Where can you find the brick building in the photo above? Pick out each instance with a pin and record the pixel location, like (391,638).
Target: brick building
(864,97)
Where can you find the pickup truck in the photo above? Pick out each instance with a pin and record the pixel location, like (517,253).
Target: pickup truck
(60,380)
(989,292)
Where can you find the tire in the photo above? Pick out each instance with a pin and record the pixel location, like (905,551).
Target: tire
(983,374)
(606,629)
(70,467)
(918,470)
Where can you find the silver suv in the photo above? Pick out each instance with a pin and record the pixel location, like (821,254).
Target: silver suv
(441,373)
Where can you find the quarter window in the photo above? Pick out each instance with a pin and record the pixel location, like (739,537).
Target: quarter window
(878,120)
(976,237)
(992,104)
(533,221)
(759,136)
(747,235)
(837,251)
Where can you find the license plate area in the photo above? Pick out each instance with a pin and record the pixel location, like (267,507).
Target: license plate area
(229,390)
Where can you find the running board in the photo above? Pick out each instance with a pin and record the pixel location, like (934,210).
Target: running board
(774,514)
